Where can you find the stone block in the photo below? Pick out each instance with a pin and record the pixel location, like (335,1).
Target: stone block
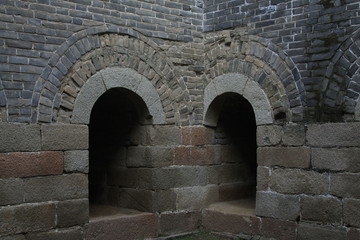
(164,200)
(63,187)
(294,135)
(27,217)
(292,157)
(219,221)
(154,156)
(196,197)
(227,173)
(179,176)
(197,155)
(140,199)
(11,191)
(13,237)
(353,234)
(297,181)
(72,212)
(151,135)
(327,210)
(263,178)
(334,134)
(316,232)
(230,153)
(236,190)
(342,185)
(123,177)
(274,205)
(76,161)
(58,234)
(26,164)
(351,212)
(64,137)
(269,135)
(179,222)
(19,137)
(197,135)
(278,229)
(336,159)
(135,227)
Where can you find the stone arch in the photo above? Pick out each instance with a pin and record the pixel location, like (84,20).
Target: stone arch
(343,78)
(116,77)
(86,54)
(263,61)
(237,83)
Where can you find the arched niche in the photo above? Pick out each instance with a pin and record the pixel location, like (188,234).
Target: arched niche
(116,77)
(242,85)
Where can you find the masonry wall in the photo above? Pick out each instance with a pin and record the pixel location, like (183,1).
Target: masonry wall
(296,62)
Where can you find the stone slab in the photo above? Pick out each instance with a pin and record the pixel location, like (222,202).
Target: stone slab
(19,137)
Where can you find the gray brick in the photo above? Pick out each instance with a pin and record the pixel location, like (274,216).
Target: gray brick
(72,212)
(58,234)
(19,137)
(11,191)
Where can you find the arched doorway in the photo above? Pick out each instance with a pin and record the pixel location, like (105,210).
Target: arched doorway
(115,117)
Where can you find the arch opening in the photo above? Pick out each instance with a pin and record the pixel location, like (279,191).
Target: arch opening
(235,133)
(115,119)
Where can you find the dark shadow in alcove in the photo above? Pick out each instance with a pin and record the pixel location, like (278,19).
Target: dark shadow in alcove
(114,118)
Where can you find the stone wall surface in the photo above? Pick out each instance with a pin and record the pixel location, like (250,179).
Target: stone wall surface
(296,62)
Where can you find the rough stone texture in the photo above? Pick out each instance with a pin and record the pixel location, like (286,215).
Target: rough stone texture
(64,137)
(150,156)
(58,234)
(197,135)
(269,135)
(179,222)
(155,135)
(327,210)
(232,223)
(292,157)
(337,159)
(297,181)
(315,232)
(351,212)
(196,197)
(262,179)
(294,135)
(27,217)
(334,134)
(72,212)
(342,185)
(12,191)
(76,161)
(31,164)
(278,229)
(139,226)
(274,205)
(13,237)
(19,137)
(73,186)
(353,234)
(202,155)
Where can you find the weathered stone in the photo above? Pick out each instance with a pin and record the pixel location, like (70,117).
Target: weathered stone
(150,156)
(334,134)
(196,197)
(274,205)
(294,135)
(27,217)
(315,232)
(71,186)
(263,178)
(197,155)
(31,164)
(351,212)
(197,135)
(58,234)
(13,237)
(12,191)
(76,161)
(215,220)
(19,137)
(337,159)
(342,185)
(270,135)
(353,234)
(179,222)
(164,200)
(278,229)
(72,212)
(297,181)
(294,157)
(136,227)
(64,137)
(327,210)
(156,135)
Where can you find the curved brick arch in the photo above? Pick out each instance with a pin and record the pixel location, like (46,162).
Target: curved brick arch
(116,77)
(343,79)
(264,62)
(242,85)
(105,50)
